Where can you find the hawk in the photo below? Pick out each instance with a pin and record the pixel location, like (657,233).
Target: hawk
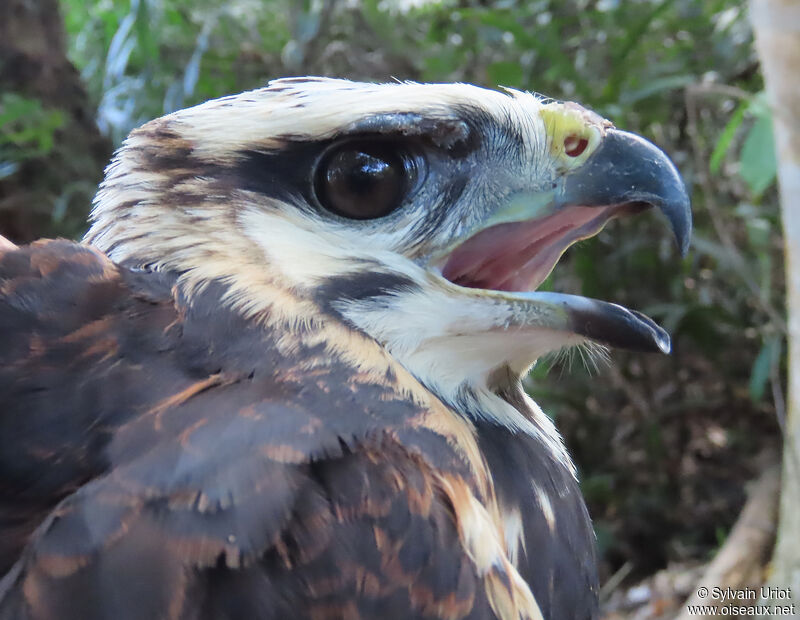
(280,377)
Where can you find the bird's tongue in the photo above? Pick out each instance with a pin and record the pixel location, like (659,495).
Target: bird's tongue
(518,256)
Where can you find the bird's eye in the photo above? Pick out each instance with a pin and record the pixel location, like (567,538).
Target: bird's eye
(363,180)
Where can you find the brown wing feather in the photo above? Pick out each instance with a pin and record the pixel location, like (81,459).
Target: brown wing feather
(359,536)
(161,459)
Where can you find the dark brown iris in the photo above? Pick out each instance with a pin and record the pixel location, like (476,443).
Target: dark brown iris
(361,180)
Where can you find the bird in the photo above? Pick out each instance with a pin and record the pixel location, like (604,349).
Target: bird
(281,375)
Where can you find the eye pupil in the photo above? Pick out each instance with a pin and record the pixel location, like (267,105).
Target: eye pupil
(574,146)
(361,181)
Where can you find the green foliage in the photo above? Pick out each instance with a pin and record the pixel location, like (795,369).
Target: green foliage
(26,130)
(726,137)
(145,58)
(758,167)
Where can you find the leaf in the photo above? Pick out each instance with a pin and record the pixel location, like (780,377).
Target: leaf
(760,373)
(657,86)
(758,164)
(726,137)
(7,168)
(192,72)
(120,48)
(145,39)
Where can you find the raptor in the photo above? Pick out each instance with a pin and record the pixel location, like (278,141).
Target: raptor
(280,377)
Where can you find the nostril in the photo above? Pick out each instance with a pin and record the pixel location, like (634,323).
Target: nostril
(575,145)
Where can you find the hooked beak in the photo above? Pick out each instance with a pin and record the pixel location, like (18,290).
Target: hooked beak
(626,169)
(509,259)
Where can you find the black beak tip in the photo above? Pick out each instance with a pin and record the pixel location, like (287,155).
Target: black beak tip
(619,327)
(626,168)
(684,239)
(679,214)
(661,341)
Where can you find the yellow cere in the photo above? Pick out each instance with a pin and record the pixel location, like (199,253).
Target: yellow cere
(567,121)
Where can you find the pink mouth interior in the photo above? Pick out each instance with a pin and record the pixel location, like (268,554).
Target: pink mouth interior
(518,256)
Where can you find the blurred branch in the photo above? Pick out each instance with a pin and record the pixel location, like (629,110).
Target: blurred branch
(309,33)
(741,560)
(777,393)
(615,581)
(692,94)
(719,89)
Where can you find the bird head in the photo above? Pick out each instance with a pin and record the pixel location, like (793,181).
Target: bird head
(423,215)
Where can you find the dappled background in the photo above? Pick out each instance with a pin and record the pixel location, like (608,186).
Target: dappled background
(665,444)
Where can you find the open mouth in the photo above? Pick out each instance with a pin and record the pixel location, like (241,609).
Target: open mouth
(624,176)
(515,258)
(519,256)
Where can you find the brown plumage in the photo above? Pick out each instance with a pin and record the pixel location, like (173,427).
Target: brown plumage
(236,401)
(203,473)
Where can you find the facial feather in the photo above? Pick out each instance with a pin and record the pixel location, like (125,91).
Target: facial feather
(225,191)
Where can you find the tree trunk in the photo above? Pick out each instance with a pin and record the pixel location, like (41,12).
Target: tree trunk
(777,28)
(48,194)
